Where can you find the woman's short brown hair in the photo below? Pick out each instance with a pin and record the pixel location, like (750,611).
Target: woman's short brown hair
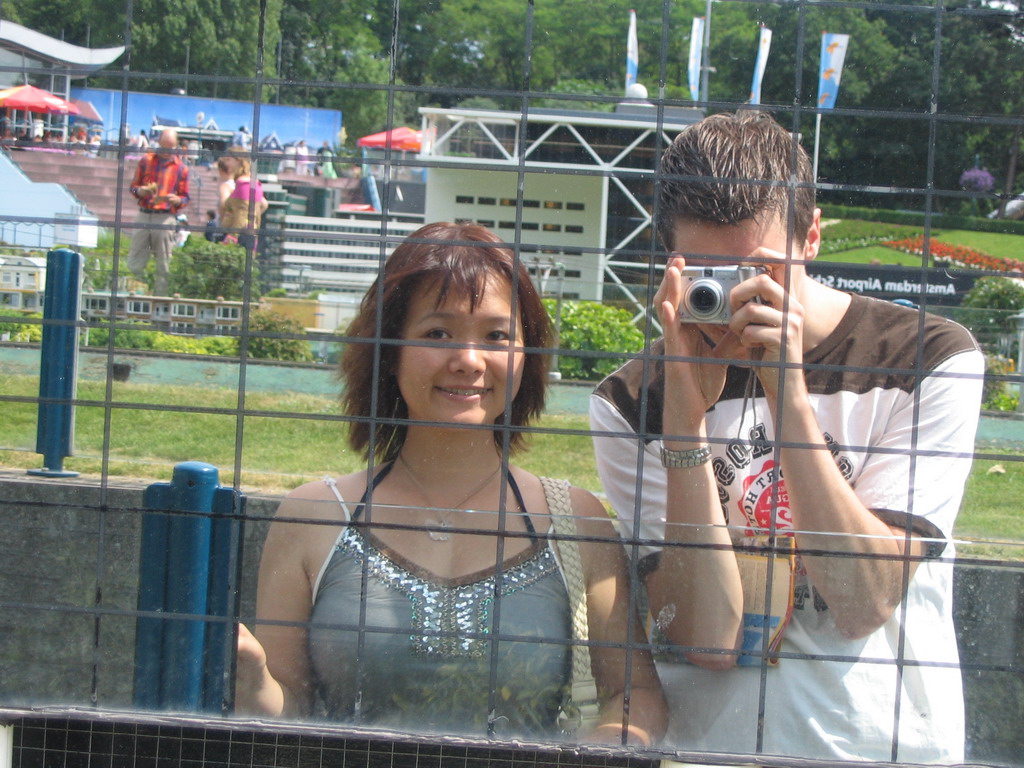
(457,260)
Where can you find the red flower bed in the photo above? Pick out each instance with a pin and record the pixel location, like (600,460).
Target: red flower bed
(958,255)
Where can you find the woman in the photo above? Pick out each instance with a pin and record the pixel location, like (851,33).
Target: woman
(240,193)
(443,370)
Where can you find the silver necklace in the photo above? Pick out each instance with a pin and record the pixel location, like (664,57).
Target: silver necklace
(443,513)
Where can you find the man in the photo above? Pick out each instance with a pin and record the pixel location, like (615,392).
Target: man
(242,138)
(843,426)
(160,185)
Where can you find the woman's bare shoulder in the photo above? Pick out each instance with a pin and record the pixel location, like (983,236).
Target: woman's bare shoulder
(585,505)
(319,499)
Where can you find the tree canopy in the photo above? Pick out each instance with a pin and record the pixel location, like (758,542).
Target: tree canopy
(917,76)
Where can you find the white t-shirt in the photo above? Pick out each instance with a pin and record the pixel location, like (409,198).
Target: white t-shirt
(901,430)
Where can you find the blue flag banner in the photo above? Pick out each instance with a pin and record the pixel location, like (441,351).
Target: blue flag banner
(632,52)
(696,51)
(764,44)
(833,53)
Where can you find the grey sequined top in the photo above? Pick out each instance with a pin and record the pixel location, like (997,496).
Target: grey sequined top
(425,658)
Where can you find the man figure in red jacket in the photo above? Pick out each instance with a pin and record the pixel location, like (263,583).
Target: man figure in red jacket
(160,185)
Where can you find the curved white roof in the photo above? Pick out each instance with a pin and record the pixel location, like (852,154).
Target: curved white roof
(74,57)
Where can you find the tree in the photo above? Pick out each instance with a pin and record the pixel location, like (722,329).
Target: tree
(204,270)
(170,40)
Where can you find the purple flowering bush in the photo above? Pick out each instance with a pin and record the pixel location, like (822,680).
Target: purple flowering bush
(977,180)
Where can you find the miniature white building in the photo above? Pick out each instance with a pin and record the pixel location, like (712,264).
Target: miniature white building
(573,189)
(22,282)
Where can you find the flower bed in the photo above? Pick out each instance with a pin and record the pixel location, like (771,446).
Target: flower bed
(957,255)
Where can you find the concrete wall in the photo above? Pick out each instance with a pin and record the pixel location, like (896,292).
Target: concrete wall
(69,565)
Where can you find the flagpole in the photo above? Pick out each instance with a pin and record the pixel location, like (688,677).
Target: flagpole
(817,132)
(706,55)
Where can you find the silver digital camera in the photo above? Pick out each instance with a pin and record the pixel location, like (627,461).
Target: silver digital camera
(706,293)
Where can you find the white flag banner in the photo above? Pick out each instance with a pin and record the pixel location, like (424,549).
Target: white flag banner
(764,45)
(833,54)
(632,52)
(696,52)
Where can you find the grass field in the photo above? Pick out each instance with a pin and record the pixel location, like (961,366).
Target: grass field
(285,440)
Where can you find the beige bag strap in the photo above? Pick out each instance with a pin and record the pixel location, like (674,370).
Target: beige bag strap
(583,708)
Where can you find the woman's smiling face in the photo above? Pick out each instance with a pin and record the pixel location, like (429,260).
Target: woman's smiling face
(462,374)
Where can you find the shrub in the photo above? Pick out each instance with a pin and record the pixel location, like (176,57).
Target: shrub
(1001,401)
(589,326)
(131,338)
(977,180)
(269,338)
(917,219)
(204,270)
(995,395)
(124,338)
(987,309)
(180,345)
(226,346)
(16,331)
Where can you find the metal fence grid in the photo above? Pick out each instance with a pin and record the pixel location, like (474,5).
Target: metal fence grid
(102,516)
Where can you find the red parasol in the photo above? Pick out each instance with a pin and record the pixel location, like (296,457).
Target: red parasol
(404,139)
(31,99)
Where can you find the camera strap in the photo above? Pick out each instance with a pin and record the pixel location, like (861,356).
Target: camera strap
(749,390)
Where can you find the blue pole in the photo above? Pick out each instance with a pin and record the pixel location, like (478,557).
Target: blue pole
(58,365)
(186,562)
(223,600)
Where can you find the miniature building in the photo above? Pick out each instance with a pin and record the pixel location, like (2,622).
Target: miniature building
(22,282)
(341,253)
(583,212)
(173,313)
(574,188)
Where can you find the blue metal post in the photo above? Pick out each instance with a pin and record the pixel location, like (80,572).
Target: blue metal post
(223,600)
(188,569)
(55,424)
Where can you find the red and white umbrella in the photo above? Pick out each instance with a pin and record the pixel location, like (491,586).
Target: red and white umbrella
(28,98)
(404,139)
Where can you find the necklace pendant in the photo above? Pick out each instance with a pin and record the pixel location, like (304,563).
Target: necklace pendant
(441,535)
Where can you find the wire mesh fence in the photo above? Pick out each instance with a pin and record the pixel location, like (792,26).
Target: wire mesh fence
(249,171)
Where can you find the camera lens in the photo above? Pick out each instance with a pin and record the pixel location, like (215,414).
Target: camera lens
(704,300)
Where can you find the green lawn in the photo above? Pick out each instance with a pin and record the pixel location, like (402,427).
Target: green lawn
(283,439)
(992,509)
(287,439)
(873,254)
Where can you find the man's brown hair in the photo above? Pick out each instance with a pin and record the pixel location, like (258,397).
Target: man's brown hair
(732,167)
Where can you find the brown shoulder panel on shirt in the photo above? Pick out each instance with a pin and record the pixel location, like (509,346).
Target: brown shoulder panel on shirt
(884,338)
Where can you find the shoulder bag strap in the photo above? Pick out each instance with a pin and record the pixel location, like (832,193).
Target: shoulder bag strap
(582,709)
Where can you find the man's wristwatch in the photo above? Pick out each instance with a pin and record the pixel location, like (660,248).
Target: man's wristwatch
(693,457)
